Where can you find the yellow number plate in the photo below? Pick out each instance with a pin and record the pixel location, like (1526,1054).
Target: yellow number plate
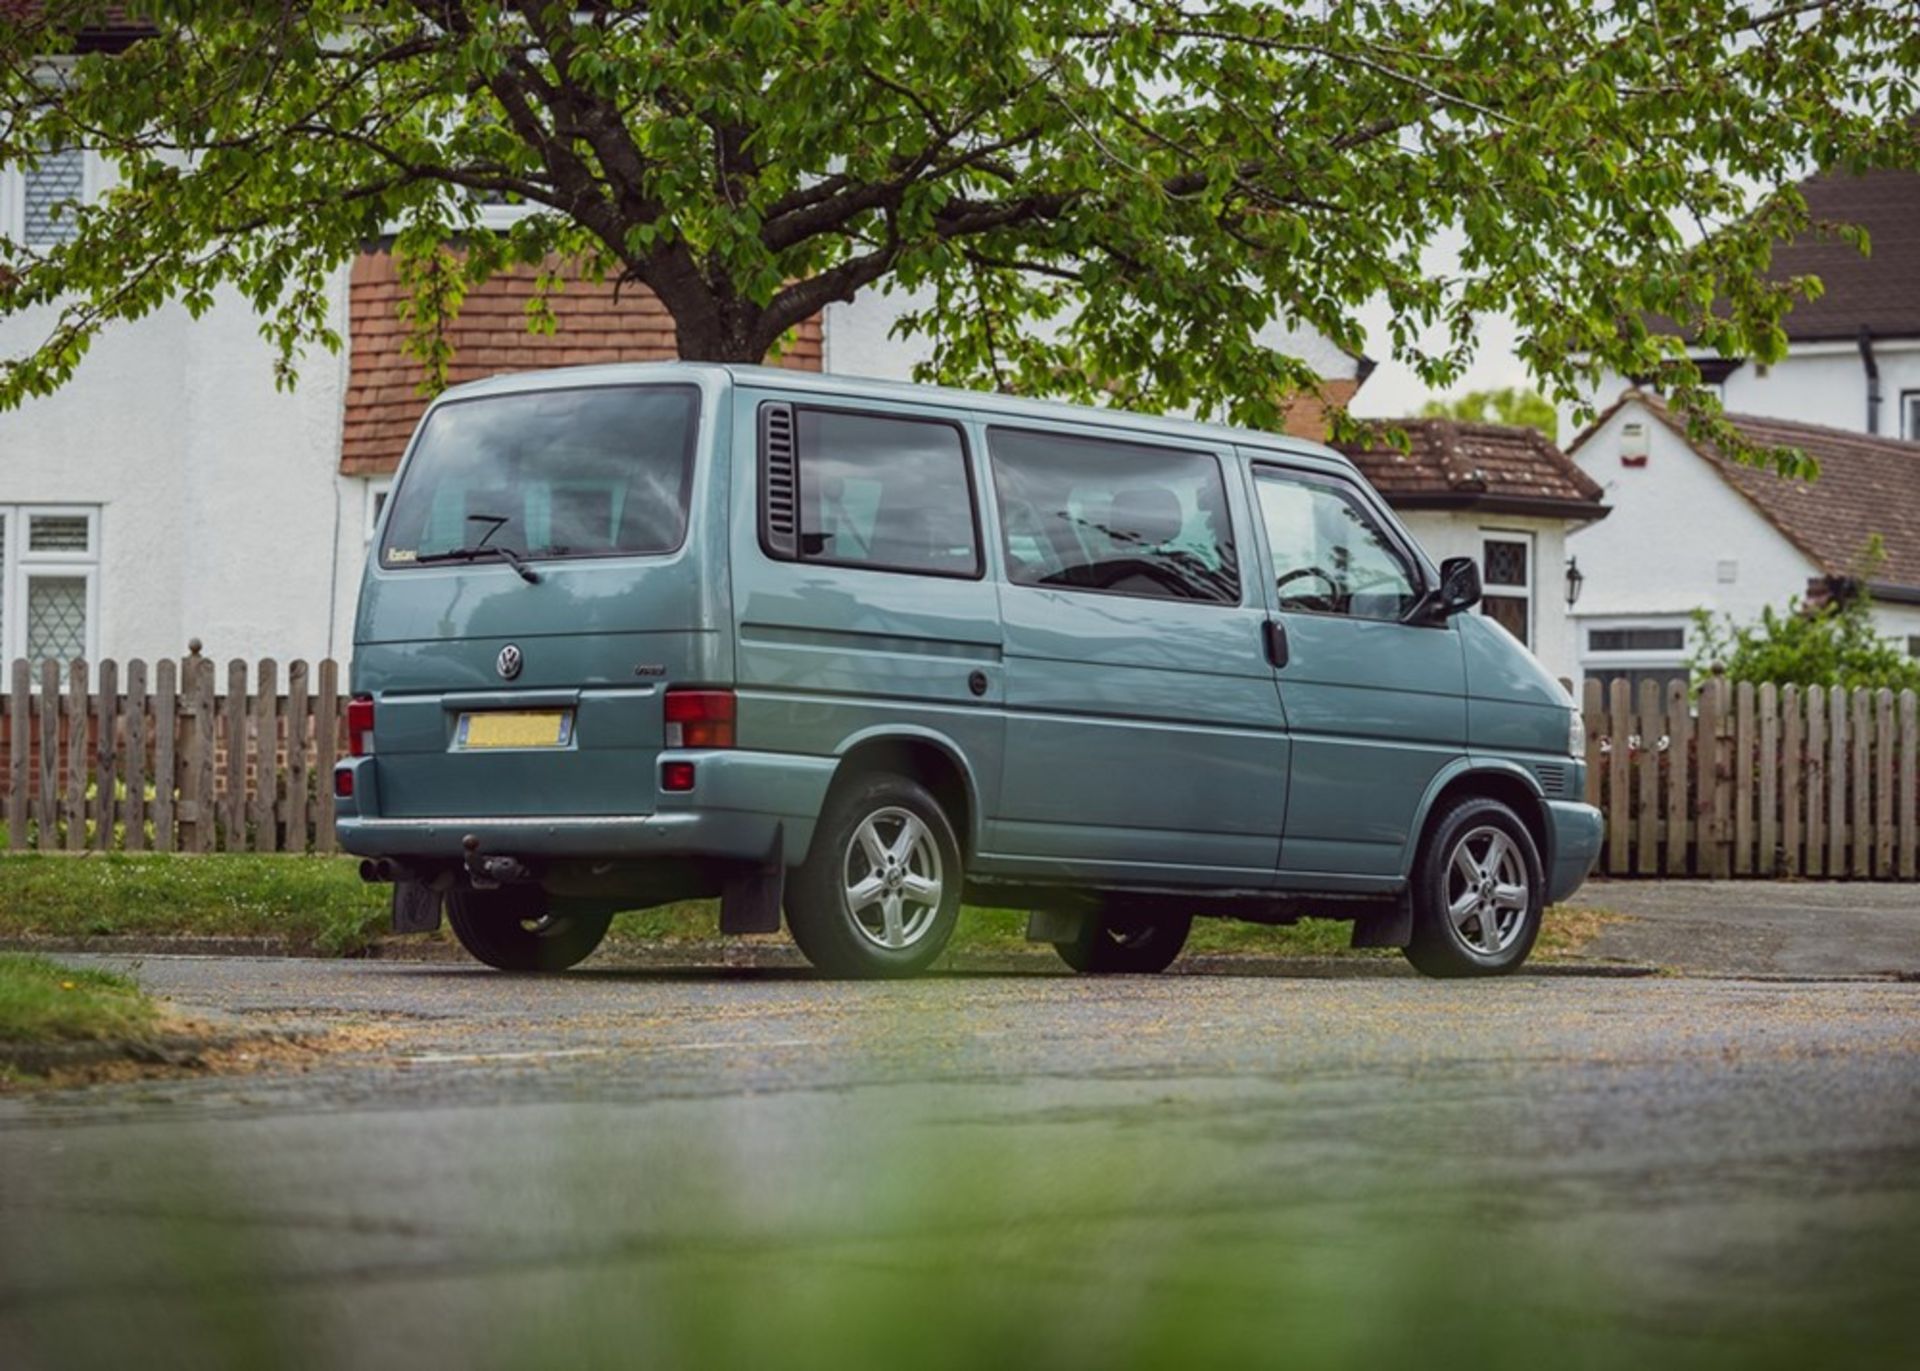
(516,728)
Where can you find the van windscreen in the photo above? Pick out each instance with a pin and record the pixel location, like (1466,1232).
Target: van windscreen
(560,473)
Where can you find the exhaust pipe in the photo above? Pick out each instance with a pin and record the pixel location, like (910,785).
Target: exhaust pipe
(380,871)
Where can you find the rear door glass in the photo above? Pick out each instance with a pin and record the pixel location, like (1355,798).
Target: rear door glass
(564,473)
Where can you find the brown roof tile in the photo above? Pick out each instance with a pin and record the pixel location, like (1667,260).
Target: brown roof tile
(1867,485)
(490,336)
(1880,292)
(1488,466)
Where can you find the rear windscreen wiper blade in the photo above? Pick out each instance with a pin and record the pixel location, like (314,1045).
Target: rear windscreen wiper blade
(479,550)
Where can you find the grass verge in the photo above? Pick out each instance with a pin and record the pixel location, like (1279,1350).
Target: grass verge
(44,1002)
(320,904)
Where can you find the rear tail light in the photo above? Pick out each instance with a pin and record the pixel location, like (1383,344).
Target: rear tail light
(700,718)
(343,782)
(360,726)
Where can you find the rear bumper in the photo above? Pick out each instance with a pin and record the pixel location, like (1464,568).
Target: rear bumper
(1577,833)
(743,804)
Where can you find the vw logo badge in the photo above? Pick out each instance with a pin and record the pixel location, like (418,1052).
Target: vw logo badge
(508,662)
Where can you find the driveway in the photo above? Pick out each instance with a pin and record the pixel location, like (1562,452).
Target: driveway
(750,1167)
(1771,928)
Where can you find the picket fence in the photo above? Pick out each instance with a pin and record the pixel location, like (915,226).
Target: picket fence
(1734,781)
(1755,781)
(97,758)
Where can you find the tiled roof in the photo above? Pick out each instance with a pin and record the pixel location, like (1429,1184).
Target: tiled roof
(1867,485)
(1486,466)
(490,336)
(1881,291)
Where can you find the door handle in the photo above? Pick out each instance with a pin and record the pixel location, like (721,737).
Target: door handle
(1274,634)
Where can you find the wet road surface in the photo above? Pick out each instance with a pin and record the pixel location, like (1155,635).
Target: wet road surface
(728,1168)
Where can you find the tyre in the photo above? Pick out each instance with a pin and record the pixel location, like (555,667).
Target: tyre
(1114,944)
(1478,892)
(879,893)
(516,928)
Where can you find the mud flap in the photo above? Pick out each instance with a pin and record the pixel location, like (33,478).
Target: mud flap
(751,896)
(1386,925)
(416,907)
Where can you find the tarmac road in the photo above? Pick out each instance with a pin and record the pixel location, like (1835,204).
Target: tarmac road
(747,1168)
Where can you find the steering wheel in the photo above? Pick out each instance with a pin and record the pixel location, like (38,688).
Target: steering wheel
(1328,603)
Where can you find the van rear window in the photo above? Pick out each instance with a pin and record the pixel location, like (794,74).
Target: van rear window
(592,472)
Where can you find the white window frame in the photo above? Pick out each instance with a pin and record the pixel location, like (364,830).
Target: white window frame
(1528,591)
(1639,658)
(22,567)
(1910,415)
(13,196)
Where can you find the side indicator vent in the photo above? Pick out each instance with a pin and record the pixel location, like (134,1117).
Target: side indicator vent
(779,481)
(1553,779)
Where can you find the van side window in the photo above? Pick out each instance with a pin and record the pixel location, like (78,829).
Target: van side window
(1329,554)
(883,492)
(1096,514)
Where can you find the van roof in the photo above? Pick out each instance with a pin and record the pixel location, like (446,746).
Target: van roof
(860,387)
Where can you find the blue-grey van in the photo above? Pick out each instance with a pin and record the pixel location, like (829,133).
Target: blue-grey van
(855,652)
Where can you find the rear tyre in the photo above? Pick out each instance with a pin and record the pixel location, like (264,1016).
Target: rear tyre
(879,893)
(1478,892)
(517,928)
(1125,944)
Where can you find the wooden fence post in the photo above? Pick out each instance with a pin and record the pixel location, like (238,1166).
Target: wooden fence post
(1650,727)
(266,772)
(1816,781)
(1909,784)
(235,732)
(207,835)
(106,755)
(77,713)
(1836,782)
(1716,767)
(20,762)
(1791,760)
(326,742)
(137,732)
(1883,783)
(1680,828)
(1742,771)
(298,839)
(49,794)
(1862,787)
(1767,860)
(166,725)
(1619,776)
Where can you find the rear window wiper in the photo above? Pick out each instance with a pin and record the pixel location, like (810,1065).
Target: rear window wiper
(479,550)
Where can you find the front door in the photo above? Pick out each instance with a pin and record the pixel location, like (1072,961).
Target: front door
(1376,704)
(1144,737)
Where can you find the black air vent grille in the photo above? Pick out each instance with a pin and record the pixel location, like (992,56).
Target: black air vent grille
(1553,778)
(779,481)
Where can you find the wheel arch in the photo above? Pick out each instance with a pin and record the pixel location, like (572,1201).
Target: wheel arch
(928,757)
(1496,779)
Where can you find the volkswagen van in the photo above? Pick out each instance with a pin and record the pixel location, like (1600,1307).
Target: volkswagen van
(853,652)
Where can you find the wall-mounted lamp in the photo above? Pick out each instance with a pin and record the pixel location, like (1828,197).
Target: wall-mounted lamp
(1576,579)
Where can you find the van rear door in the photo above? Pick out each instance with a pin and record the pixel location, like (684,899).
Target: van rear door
(539,582)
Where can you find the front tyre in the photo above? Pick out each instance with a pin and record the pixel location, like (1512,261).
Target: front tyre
(879,893)
(1479,889)
(517,928)
(1125,945)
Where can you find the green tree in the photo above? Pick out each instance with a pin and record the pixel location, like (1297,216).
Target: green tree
(1830,644)
(1095,200)
(1511,405)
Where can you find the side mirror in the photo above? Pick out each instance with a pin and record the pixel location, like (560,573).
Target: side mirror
(1459,586)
